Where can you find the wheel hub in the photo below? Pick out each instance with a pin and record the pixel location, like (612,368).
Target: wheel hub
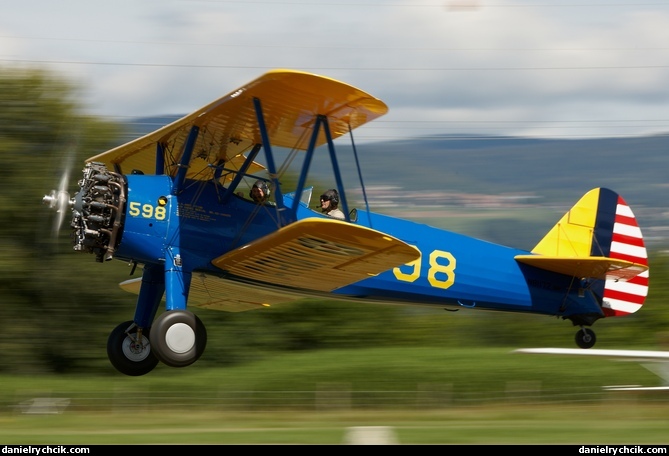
(180,338)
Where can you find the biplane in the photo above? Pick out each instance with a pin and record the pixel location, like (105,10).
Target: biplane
(175,203)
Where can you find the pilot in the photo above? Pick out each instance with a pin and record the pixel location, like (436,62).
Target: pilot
(330,204)
(260,191)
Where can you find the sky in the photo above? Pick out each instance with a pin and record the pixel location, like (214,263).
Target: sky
(532,68)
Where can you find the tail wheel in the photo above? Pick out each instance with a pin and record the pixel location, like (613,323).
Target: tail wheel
(585,338)
(178,338)
(130,353)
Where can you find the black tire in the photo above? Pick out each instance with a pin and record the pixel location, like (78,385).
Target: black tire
(585,338)
(128,356)
(178,338)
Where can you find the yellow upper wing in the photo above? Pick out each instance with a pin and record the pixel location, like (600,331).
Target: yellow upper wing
(317,255)
(291,102)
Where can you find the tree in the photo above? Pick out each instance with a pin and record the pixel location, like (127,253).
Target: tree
(43,320)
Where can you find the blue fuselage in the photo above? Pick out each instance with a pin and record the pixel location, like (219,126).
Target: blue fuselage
(453,269)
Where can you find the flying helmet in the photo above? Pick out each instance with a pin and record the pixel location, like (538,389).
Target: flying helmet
(262,185)
(331,195)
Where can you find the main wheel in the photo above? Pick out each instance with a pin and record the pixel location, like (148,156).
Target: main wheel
(585,338)
(127,353)
(178,338)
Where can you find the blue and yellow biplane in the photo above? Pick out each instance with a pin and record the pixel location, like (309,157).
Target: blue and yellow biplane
(175,202)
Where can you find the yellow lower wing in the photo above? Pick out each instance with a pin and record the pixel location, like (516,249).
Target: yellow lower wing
(215,293)
(317,255)
(313,255)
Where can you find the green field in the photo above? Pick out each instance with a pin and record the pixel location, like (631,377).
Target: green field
(407,396)
(492,424)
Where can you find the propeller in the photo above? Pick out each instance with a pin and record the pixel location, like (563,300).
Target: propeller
(59,199)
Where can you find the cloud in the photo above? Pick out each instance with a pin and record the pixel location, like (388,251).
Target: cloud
(486,68)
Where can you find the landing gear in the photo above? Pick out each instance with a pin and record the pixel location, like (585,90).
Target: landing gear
(585,338)
(129,350)
(178,338)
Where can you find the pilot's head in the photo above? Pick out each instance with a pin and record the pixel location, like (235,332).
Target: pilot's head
(260,191)
(329,200)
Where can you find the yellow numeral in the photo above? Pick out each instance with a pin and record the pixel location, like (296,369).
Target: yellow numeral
(438,275)
(446,271)
(160,212)
(408,276)
(136,209)
(147,211)
(133,209)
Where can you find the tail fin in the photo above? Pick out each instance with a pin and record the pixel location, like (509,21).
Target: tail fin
(599,238)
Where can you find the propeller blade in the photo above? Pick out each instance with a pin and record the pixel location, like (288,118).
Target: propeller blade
(60,202)
(59,199)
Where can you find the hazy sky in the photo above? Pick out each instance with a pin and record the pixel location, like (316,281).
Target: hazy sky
(541,68)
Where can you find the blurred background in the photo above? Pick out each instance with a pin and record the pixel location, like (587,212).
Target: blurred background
(57,297)
(511,125)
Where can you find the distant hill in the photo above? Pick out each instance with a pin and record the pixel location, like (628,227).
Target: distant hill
(510,177)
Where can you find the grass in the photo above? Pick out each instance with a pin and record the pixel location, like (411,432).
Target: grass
(612,423)
(415,395)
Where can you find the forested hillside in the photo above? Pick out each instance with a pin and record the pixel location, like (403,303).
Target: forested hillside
(504,189)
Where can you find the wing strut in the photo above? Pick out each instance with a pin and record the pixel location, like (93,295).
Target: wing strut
(337,172)
(241,173)
(285,217)
(185,160)
(357,165)
(321,121)
(306,164)
(160,158)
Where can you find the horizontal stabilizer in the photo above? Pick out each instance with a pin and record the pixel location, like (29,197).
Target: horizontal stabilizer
(317,254)
(591,267)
